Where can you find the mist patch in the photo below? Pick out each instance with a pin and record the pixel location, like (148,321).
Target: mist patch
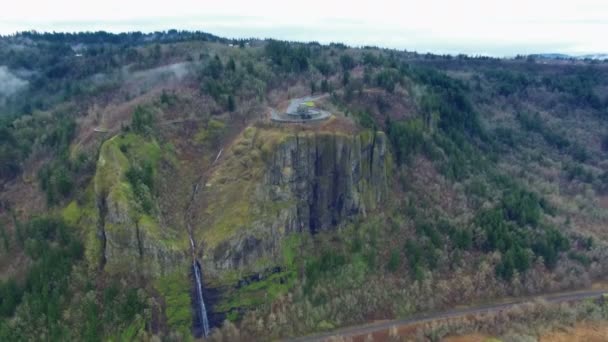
(9,83)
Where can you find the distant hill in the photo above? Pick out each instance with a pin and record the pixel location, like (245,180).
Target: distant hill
(596,56)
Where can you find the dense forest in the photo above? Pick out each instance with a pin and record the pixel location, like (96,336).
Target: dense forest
(493,182)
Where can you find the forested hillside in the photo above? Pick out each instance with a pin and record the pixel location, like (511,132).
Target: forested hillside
(125,159)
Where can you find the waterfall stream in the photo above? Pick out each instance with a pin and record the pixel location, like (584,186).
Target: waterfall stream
(201,303)
(201,310)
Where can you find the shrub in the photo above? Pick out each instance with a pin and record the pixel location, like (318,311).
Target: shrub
(504,229)
(522,207)
(141,179)
(387,79)
(394,261)
(287,56)
(530,121)
(407,138)
(605,143)
(56,181)
(347,62)
(142,120)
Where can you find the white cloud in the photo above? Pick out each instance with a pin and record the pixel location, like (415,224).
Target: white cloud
(470,26)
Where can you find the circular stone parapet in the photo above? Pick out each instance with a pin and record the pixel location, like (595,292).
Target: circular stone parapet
(301,110)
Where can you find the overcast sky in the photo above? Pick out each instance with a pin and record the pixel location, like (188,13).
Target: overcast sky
(499,28)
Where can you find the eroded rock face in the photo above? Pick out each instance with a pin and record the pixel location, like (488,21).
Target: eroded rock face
(120,232)
(328,177)
(136,243)
(317,180)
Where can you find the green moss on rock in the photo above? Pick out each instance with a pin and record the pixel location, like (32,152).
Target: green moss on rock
(111,166)
(135,240)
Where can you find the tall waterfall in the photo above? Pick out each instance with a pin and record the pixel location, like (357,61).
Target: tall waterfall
(201,303)
(201,309)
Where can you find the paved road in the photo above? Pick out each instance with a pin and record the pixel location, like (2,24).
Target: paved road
(295,103)
(383,326)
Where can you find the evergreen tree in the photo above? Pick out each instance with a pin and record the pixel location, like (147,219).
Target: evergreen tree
(231,104)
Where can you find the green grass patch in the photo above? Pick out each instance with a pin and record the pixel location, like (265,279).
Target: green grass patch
(290,246)
(131,332)
(210,134)
(118,154)
(72,213)
(233,186)
(266,290)
(260,292)
(175,241)
(232,316)
(111,165)
(139,147)
(88,218)
(175,289)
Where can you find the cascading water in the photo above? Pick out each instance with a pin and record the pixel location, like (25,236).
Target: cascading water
(201,303)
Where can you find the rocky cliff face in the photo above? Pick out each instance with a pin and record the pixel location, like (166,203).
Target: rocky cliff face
(307,182)
(272,182)
(328,178)
(132,240)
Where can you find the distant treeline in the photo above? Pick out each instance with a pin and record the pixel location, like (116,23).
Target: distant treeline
(130,38)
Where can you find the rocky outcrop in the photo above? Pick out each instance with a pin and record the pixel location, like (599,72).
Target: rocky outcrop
(272,183)
(132,240)
(328,177)
(302,183)
(138,245)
